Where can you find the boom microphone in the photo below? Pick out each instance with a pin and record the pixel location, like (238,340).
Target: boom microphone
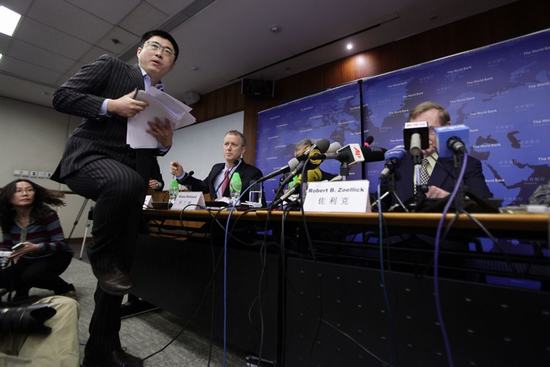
(321,144)
(310,157)
(354,153)
(293,163)
(330,153)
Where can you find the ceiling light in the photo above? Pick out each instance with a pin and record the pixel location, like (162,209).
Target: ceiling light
(8,20)
(0,56)
(349,46)
(275,29)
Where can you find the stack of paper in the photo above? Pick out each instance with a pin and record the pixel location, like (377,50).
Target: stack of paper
(162,106)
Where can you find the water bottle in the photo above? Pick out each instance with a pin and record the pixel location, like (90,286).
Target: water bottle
(235,186)
(174,191)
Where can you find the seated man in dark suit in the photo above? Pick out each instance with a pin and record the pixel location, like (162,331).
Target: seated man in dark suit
(441,173)
(217,182)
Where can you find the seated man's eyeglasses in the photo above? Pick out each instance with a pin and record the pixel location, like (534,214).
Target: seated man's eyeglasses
(155,46)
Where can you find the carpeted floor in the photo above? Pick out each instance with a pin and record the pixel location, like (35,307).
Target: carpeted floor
(147,333)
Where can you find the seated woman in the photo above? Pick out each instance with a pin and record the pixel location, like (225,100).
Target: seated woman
(26,218)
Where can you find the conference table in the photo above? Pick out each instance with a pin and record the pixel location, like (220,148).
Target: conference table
(312,289)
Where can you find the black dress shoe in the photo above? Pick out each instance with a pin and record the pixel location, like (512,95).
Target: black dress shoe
(119,358)
(110,278)
(128,359)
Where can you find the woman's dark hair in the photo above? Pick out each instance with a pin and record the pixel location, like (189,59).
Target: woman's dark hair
(43,199)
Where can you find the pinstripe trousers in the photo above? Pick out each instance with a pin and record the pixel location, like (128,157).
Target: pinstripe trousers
(118,192)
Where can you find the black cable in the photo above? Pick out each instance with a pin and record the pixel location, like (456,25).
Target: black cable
(215,265)
(193,314)
(383,278)
(494,240)
(314,257)
(377,358)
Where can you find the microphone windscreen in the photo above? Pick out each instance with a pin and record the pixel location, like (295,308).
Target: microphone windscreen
(397,152)
(322,144)
(372,155)
(313,153)
(333,147)
(313,175)
(444,133)
(293,163)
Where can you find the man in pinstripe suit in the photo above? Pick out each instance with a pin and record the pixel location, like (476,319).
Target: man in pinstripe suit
(98,164)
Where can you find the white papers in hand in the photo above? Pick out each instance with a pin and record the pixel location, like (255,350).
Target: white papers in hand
(162,106)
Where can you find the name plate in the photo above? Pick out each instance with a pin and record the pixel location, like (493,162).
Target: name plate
(189,200)
(339,196)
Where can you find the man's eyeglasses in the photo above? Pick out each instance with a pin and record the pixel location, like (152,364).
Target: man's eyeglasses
(155,46)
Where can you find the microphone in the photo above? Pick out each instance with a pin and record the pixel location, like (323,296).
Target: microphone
(333,148)
(372,153)
(293,163)
(350,154)
(368,141)
(285,196)
(330,153)
(190,173)
(451,140)
(321,144)
(416,138)
(311,156)
(313,175)
(393,157)
(354,153)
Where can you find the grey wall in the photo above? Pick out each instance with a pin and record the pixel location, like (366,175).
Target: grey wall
(33,137)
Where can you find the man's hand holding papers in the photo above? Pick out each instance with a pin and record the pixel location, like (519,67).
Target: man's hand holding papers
(161,107)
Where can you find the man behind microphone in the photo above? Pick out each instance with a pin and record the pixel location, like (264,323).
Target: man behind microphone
(303,147)
(217,182)
(441,172)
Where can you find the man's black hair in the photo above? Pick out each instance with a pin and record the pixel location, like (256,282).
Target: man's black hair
(162,34)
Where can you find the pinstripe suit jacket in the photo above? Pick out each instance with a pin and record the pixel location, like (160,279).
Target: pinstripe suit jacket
(97,136)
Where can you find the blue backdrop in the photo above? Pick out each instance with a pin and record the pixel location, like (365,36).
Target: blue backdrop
(500,91)
(333,115)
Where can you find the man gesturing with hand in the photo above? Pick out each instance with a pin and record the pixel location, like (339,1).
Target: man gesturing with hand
(98,164)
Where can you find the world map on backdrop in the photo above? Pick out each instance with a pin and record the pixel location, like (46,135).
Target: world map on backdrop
(332,115)
(502,92)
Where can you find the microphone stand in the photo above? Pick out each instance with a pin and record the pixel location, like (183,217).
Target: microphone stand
(391,191)
(460,195)
(419,189)
(344,170)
